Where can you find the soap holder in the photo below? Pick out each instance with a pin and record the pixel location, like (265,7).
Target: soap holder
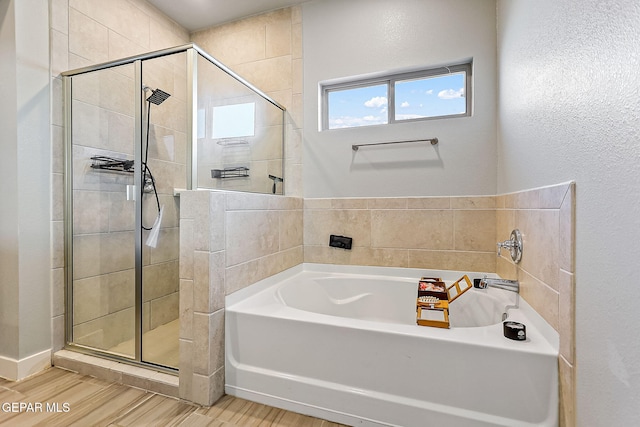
(342,242)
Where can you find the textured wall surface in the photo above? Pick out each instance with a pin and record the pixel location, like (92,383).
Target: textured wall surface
(569,102)
(360,37)
(25,163)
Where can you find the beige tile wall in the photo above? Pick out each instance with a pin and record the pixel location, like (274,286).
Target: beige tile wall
(271,59)
(228,241)
(261,153)
(454,233)
(546,218)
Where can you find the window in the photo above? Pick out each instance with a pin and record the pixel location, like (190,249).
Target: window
(433,93)
(233,121)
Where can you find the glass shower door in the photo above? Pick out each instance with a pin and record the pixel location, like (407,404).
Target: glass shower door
(127,155)
(103,210)
(164,157)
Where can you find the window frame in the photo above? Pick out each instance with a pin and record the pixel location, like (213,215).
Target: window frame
(390,81)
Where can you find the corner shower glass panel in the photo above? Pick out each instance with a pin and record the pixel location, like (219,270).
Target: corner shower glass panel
(239,134)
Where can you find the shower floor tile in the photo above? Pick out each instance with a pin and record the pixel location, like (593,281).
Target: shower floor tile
(159,345)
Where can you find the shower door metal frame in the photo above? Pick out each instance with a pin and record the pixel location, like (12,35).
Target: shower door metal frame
(192,52)
(192,123)
(139,190)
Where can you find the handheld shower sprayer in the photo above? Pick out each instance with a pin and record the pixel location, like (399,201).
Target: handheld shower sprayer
(157,97)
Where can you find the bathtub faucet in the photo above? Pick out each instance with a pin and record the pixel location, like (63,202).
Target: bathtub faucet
(507,285)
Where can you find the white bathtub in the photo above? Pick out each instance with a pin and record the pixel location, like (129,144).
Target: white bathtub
(341,343)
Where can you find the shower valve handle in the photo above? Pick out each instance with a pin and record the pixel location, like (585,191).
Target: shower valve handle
(514,244)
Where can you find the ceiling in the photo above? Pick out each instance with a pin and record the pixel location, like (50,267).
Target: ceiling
(199,14)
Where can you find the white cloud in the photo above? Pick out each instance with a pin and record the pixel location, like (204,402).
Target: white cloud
(408,116)
(405,104)
(451,94)
(429,92)
(376,102)
(349,121)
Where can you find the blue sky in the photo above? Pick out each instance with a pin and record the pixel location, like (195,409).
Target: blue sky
(425,97)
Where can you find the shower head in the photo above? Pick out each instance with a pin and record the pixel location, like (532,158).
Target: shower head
(158,96)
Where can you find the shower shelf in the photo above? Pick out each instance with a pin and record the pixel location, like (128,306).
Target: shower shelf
(112,164)
(237,172)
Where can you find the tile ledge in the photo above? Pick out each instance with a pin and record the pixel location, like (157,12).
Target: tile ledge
(98,367)
(544,187)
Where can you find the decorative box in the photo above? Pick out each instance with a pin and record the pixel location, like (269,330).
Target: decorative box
(433,287)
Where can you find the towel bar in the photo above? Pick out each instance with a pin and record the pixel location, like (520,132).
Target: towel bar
(433,141)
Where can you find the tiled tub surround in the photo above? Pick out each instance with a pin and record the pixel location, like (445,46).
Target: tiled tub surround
(228,241)
(452,233)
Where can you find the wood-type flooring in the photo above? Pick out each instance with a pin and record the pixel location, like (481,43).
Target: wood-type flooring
(61,398)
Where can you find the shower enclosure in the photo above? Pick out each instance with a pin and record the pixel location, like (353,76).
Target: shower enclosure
(138,131)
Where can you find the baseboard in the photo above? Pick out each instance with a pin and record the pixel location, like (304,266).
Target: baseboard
(16,370)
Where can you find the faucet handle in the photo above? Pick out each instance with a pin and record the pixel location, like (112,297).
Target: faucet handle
(514,244)
(507,244)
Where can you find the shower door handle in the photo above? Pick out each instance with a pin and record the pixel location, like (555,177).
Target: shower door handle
(131,192)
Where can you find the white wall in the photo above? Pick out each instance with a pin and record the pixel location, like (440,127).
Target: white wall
(570,109)
(359,37)
(8,184)
(25,331)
